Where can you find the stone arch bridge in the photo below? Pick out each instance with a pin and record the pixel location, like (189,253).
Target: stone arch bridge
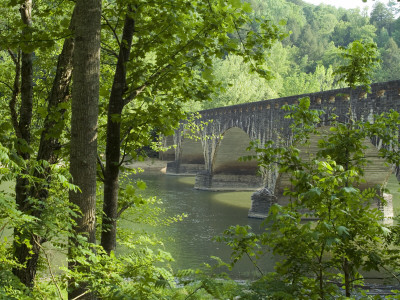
(215,162)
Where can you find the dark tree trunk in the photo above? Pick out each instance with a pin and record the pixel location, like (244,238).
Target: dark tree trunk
(111,174)
(59,93)
(23,130)
(85,98)
(347,277)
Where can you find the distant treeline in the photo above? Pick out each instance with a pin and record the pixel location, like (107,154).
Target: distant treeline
(304,61)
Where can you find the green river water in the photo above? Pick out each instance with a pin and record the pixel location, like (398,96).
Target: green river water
(208,215)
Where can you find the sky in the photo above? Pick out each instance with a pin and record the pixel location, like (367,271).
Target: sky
(345,3)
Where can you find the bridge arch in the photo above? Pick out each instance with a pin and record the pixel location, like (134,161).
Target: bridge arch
(169,154)
(231,147)
(188,158)
(192,151)
(227,172)
(376,172)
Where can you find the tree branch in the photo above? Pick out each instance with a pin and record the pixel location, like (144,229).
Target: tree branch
(7,85)
(15,60)
(122,210)
(241,41)
(160,69)
(101,165)
(108,49)
(112,30)
(49,266)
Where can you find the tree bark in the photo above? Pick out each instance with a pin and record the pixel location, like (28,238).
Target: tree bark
(85,98)
(23,130)
(48,144)
(116,104)
(60,93)
(347,277)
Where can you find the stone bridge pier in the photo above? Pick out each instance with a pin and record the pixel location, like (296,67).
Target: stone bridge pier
(214,156)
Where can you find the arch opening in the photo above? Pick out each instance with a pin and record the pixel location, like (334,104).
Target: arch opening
(376,172)
(233,146)
(192,152)
(168,155)
(227,172)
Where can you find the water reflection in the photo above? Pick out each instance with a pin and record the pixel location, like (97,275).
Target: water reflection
(209,214)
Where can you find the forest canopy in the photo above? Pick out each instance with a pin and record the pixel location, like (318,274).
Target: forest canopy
(303,62)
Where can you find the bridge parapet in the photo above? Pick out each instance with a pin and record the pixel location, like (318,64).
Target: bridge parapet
(383,96)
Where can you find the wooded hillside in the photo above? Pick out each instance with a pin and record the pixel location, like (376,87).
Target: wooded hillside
(303,62)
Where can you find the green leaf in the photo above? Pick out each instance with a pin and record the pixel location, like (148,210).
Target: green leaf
(141,185)
(386,231)
(343,231)
(326,165)
(313,193)
(282,22)
(247,7)
(235,3)
(130,190)
(350,190)
(208,74)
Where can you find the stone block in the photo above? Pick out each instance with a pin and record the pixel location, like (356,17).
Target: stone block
(261,202)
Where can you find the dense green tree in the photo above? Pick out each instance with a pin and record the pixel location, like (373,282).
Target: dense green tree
(360,60)
(174,53)
(331,57)
(35,134)
(312,47)
(382,37)
(381,16)
(301,83)
(390,66)
(325,22)
(347,32)
(396,30)
(239,85)
(282,10)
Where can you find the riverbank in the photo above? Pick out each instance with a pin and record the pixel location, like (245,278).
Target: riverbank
(149,166)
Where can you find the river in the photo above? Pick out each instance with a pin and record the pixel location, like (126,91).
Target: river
(208,215)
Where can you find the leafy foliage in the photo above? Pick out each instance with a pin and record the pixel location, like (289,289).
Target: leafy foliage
(362,59)
(346,233)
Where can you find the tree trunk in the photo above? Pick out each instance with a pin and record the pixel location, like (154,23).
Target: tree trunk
(347,277)
(59,93)
(85,98)
(111,174)
(23,130)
